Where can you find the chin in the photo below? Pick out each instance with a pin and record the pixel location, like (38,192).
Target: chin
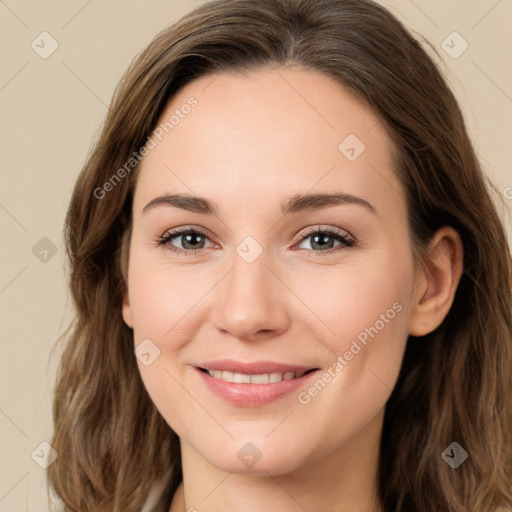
(262,467)
(256,457)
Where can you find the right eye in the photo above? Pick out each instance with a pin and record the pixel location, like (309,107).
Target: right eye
(190,240)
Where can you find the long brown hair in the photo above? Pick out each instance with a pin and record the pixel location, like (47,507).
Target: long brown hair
(455,384)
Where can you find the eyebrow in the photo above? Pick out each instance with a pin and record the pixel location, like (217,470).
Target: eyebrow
(294,204)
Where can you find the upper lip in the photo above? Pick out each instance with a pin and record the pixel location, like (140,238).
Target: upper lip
(253,368)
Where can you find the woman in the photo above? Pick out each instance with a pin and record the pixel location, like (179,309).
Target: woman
(340,338)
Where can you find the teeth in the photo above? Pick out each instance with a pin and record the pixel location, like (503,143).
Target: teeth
(262,378)
(240,378)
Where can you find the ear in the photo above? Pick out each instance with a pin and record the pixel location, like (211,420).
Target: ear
(125,248)
(127,310)
(437,282)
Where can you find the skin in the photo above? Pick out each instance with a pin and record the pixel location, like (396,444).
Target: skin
(252,141)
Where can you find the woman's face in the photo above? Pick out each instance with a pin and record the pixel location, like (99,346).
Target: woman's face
(271,276)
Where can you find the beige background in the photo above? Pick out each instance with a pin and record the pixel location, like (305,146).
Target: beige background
(51,111)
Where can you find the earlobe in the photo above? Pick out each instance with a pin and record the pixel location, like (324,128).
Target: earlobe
(437,282)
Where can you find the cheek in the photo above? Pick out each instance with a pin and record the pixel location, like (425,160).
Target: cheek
(362,301)
(157,310)
(365,313)
(370,313)
(161,298)
(165,303)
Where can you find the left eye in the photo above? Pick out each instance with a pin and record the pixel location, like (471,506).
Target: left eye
(193,240)
(324,238)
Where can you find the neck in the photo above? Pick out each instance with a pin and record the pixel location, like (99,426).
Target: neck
(341,481)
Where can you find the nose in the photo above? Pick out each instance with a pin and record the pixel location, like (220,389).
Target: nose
(251,301)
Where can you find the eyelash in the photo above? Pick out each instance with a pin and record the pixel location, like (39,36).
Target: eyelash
(338,235)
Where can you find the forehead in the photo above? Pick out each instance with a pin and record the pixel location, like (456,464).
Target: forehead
(264,135)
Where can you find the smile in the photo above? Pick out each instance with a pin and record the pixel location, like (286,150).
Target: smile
(254,384)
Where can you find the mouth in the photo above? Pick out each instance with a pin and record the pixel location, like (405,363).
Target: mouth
(255,384)
(257,378)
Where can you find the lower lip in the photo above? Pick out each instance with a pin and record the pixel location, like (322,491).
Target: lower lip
(253,395)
